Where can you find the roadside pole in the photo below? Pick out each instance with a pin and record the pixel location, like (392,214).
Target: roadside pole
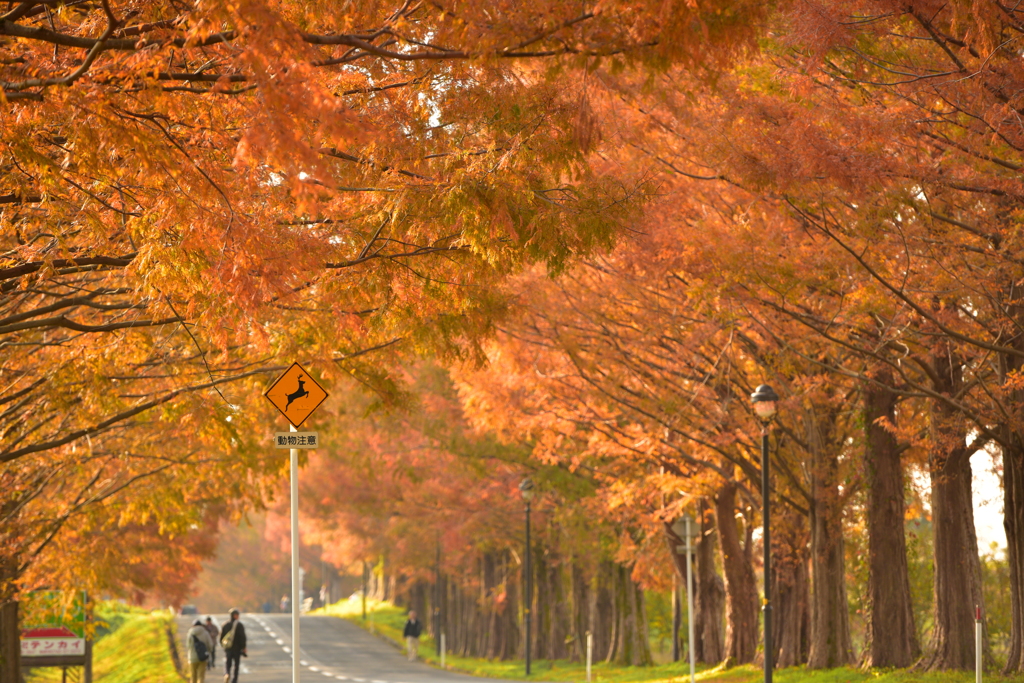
(296,589)
(977,644)
(689,592)
(290,394)
(590,653)
(442,650)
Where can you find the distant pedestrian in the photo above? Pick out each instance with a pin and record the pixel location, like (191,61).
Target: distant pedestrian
(286,604)
(232,639)
(214,632)
(413,628)
(198,646)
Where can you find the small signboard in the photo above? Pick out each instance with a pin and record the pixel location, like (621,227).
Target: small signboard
(296,394)
(296,440)
(57,631)
(51,642)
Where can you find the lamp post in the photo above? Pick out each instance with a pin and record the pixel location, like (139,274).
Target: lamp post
(764,399)
(526,488)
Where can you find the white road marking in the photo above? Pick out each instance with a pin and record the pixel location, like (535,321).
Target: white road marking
(279,641)
(312,668)
(287,649)
(303,662)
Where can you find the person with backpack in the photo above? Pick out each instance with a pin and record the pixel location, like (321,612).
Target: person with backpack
(198,646)
(232,640)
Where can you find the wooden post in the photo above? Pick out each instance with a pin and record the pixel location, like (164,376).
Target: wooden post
(10,645)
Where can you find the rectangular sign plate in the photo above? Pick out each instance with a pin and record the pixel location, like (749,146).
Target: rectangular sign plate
(50,642)
(296,440)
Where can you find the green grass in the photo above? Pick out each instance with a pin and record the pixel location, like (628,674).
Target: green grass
(388,621)
(131,647)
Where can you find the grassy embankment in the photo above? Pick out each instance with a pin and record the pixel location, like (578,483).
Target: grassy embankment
(131,647)
(387,621)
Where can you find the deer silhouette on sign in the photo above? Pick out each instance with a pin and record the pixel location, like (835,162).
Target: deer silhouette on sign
(298,393)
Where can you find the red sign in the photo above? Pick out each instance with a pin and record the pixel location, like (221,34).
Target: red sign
(49,632)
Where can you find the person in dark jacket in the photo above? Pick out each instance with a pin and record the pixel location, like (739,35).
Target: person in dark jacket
(413,628)
(232,639)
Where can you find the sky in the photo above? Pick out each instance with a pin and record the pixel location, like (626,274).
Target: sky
(988,502)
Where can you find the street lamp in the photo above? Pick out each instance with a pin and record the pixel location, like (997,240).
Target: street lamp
(684,527)
(526,488)
(765,399)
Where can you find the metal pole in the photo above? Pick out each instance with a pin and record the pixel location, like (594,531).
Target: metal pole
(766,610)
(676,617)
(529,588)
(437,596)
(442,650)
(296,588)
(590,653)
(977,643)
(364,590)
(689,596)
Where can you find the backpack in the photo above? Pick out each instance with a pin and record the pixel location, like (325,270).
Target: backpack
(229,637)
(202,654)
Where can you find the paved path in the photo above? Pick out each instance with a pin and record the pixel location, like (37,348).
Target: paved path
(332,649)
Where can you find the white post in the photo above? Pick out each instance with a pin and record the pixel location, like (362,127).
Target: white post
(296,587)
(689,595)
(977,643)
(590,652)
(442,650)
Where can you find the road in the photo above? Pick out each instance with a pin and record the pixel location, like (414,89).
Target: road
(331,648)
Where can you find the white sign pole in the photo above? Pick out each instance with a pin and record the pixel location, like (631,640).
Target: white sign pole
(442,650)
(296,588)
(689,594)
(977,644)
(590,653)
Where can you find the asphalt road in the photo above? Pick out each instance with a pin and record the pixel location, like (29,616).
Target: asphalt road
(332,648)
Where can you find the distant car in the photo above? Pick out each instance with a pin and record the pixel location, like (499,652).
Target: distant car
(189,609)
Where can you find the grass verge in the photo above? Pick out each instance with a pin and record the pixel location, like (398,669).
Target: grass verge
(131,647)
(387,621)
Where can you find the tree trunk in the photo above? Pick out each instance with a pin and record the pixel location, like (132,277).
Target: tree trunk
(542,614)
(892,638)
(10,646)
(604,612)
(957,567)
(791,622)
(1013,510)
(740,591)
(831,644)
(709,607)
(558,613)
(581,611)
(630,646)
(1013,523)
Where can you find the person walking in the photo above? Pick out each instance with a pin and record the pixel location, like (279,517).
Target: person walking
(198,646)
(413,628)
(214,632)
(232,640)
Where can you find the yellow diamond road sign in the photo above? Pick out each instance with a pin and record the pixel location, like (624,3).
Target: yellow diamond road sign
(296,394)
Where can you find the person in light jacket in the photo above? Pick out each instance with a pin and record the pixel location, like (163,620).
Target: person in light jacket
(197,667)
